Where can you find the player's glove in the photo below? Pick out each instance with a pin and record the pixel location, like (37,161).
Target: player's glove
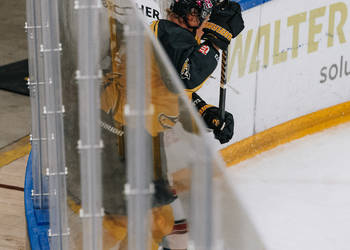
(225,23)
(223,130)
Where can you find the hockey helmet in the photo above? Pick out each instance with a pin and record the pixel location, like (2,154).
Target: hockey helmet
(184,7)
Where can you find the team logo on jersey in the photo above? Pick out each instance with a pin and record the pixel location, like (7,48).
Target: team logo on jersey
(185,71)
(217,57)
(204,49)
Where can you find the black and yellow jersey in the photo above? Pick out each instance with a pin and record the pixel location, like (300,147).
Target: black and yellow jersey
(193,61)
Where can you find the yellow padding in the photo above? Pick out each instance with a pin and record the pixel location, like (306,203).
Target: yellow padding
(286,132)
(15,151)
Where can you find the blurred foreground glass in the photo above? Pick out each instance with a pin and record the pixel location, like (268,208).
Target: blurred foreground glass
(132,144)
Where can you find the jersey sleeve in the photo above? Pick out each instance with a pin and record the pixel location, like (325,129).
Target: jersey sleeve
(194,62)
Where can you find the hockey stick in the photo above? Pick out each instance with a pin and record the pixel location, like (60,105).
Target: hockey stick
(223,81)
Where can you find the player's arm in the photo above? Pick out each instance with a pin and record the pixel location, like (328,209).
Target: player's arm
(223,130)
(194,62)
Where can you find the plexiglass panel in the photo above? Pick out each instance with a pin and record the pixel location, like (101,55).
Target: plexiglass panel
(156,163)
(123,160)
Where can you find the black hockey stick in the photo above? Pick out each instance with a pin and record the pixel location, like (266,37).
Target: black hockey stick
(223,81)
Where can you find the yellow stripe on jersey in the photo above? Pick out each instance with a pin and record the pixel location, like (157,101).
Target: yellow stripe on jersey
(204,108)
(218,29)
(154,27)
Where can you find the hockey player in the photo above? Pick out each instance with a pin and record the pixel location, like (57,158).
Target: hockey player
(181,36)
(195,61)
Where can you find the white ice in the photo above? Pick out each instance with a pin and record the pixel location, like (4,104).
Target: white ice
(297,196)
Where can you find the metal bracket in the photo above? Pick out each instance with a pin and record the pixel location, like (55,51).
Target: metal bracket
(33,194)
(32,84)
(52,137)
(45,112)
(78,76)
(77,6)
(31,139)
(27,27)
(50,234)
(43,50)
(54,174)
(129,191)
(84,147)
(83,215)
(129,112)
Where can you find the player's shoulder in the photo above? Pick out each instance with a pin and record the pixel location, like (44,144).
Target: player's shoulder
(167,30)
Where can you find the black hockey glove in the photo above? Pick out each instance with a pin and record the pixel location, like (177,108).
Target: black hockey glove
(223,130)
(225,23)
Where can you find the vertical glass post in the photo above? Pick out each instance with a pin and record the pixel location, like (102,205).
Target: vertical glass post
(89,77)
(31,28)
(139,187)
(201,222)
(35,83)
(51,49)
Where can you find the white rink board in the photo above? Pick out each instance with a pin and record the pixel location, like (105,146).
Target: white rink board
(296,87)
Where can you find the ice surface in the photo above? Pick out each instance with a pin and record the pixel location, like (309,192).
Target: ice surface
(297,195)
